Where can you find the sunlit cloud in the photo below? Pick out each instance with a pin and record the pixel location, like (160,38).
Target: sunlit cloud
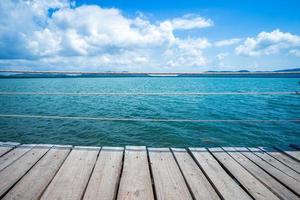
(267,43)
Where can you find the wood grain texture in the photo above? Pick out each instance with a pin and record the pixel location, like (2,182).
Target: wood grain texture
(6,147)
(72,178)
(135,182)
(293,153)
(250,183)
(276,187)
(277,164)
(32,185)
(10,175)
(168,180)
(288,181)
(283,158)
(105,178)
(200,186)
(13,155)
(60,172)
(226,186)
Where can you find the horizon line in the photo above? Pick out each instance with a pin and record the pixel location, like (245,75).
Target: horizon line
(148,73)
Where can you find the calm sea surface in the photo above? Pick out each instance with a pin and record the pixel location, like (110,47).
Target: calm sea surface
(177,134)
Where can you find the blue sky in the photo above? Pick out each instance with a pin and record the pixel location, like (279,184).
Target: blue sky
(157,35)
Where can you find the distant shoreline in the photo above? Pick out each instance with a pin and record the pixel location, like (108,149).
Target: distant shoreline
(150,73)
(76,74)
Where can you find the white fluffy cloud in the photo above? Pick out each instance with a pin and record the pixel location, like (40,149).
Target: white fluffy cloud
(266,43)
(187,52)
(60,34)
(57,34)
(190,22)
(227,42)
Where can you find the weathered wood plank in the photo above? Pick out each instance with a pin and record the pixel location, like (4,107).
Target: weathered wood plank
(32,185)
(264,177)
(293,153)
(293,164)
(70,181)
(288,181)
(199,185)
(13,155)
(168,180)
(10,175)
(277,164)
(226,186)
(105,178)
(250,183)
(135,181)
(6,147)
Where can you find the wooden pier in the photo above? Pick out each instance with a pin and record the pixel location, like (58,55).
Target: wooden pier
(51,172)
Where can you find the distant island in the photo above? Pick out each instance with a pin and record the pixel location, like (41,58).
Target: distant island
(293,73)
(247,71)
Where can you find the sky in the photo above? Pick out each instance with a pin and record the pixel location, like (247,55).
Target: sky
(149,36)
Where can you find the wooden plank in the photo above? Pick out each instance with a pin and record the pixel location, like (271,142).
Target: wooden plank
(13,155)
(295,154)
(135,181)
(168,180)
(293,164)
(199,185)
(226,186)
(277,164)
(10,175)
(105,178)
(288,181)
(250,183)
(6,147)
(276,187)
(70,181)
(32,185)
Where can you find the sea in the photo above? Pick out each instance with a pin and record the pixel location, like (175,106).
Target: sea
(151,111)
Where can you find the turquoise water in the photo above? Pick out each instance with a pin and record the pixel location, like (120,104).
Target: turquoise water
(119,133)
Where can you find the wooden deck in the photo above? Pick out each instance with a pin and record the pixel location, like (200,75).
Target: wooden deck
(64,172)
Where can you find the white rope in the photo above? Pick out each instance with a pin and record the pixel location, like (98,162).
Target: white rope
(148,119)
(145,94)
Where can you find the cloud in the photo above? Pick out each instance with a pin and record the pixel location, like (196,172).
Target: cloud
(295,52)
(227,42)
(187,52)
(191,22)
(221,56)
(56,33)
(267,43)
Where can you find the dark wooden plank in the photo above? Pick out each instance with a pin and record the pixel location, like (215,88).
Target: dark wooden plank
(250,183)
(226,186)
(168,180)
(288,181)
(105,178)
(32,185)
(70,181)
(135,181)
(200,186)
(276,187)
(10,175)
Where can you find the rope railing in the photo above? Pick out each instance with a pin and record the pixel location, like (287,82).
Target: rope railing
(145,93)
(149,119)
